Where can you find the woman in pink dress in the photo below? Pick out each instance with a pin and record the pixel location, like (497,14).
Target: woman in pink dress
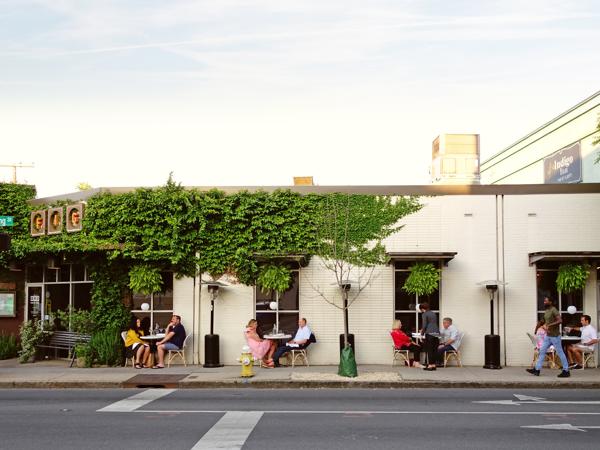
(260,348)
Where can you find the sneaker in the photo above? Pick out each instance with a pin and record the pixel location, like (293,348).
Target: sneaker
(576,367)
(534,372)
(564,374)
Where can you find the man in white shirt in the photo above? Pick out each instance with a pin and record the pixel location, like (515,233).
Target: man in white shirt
(450,340)
(300,340)
(589,339)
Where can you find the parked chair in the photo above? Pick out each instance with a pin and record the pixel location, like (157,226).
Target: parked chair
(401,353)
(129,354)
(454,353)
(300,352)
(181,352)
(550,354)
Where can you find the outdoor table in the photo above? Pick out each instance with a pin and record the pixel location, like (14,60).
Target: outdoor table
(277,337)
(152,338)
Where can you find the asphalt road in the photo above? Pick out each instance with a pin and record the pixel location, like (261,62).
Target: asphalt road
(299,419)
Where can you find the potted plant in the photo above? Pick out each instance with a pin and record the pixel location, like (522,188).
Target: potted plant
(424,279)
(572,277)
(84,354)
(145,279)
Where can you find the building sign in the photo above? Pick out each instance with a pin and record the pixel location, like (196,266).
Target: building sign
(55,220)
(7,304)
(38,223)
(75,217)
(564,166)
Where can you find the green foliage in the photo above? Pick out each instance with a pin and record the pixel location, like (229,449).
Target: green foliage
(77,320)
(274,278)
(106,347)
(85,351)
(13,202)
(110,282)
(352,227)
(8,346)
(572,277)
(423,279)
(31,336)
(145,279)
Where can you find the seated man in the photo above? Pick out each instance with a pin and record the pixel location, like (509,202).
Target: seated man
(300,339)
(450,338)
(589,339)
(173,340)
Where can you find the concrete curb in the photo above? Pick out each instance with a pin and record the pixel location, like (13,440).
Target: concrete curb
(249,384)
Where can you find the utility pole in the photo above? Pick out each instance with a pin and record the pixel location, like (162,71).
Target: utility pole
(14,168)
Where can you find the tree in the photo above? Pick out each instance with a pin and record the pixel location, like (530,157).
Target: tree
(350,234)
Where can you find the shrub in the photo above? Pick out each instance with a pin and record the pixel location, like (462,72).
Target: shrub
(423,279)
(81,320)
(32,335)
(106,347)
(8,346)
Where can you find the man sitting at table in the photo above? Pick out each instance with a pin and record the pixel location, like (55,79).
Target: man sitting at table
(173,340)
(450,338)
(589,339)
(300,339)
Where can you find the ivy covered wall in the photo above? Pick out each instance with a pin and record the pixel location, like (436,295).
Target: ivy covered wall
(183,230)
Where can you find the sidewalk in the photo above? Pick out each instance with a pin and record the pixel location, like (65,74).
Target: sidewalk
(57,374)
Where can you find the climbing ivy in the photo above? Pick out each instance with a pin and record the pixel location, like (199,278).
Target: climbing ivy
(189,231)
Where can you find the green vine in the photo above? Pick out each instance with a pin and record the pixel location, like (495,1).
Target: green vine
(274,278)
(423,279)
(572,277)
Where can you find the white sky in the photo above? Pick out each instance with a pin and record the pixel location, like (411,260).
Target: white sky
(253,92)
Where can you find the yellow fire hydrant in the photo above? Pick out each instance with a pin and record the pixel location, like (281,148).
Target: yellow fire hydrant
(246,359)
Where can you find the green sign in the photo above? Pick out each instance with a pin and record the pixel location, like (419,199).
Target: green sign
(6,221)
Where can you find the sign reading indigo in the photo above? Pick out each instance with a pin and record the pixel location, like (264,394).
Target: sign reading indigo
(564,166)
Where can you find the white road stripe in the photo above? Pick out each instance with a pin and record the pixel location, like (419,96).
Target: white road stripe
(499,413)
(230,432)
(136,401)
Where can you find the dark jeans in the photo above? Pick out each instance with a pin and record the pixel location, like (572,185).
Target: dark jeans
(416,349)
(282,350)
(430,346)
(439,360)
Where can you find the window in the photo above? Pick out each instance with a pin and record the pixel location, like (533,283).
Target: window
(58,289)
(546,274)
(161,303)
(289,311)
(405,304)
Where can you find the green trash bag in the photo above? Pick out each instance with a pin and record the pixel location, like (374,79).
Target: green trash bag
(347,366)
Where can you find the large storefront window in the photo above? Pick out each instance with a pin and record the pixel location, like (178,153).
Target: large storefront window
(289,311)
(52,289)
(405,304)
(160,304)
(546,287)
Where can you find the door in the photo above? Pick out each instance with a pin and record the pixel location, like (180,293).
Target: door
(34,301)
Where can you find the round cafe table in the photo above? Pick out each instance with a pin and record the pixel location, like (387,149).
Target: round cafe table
(152,339)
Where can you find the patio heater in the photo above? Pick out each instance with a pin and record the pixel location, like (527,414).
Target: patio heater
(211,341)
(492,341)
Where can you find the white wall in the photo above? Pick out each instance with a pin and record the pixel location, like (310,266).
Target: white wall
(464,224)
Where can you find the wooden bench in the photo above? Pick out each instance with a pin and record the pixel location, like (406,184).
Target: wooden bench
(66,340)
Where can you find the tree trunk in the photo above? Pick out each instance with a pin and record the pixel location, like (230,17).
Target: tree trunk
(346,330)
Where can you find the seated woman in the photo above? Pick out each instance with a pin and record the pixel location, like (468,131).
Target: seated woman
(403,342)
(134,344)
(261,348)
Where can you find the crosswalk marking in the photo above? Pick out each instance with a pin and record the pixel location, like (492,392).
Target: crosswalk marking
(230,432)
(136,401)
